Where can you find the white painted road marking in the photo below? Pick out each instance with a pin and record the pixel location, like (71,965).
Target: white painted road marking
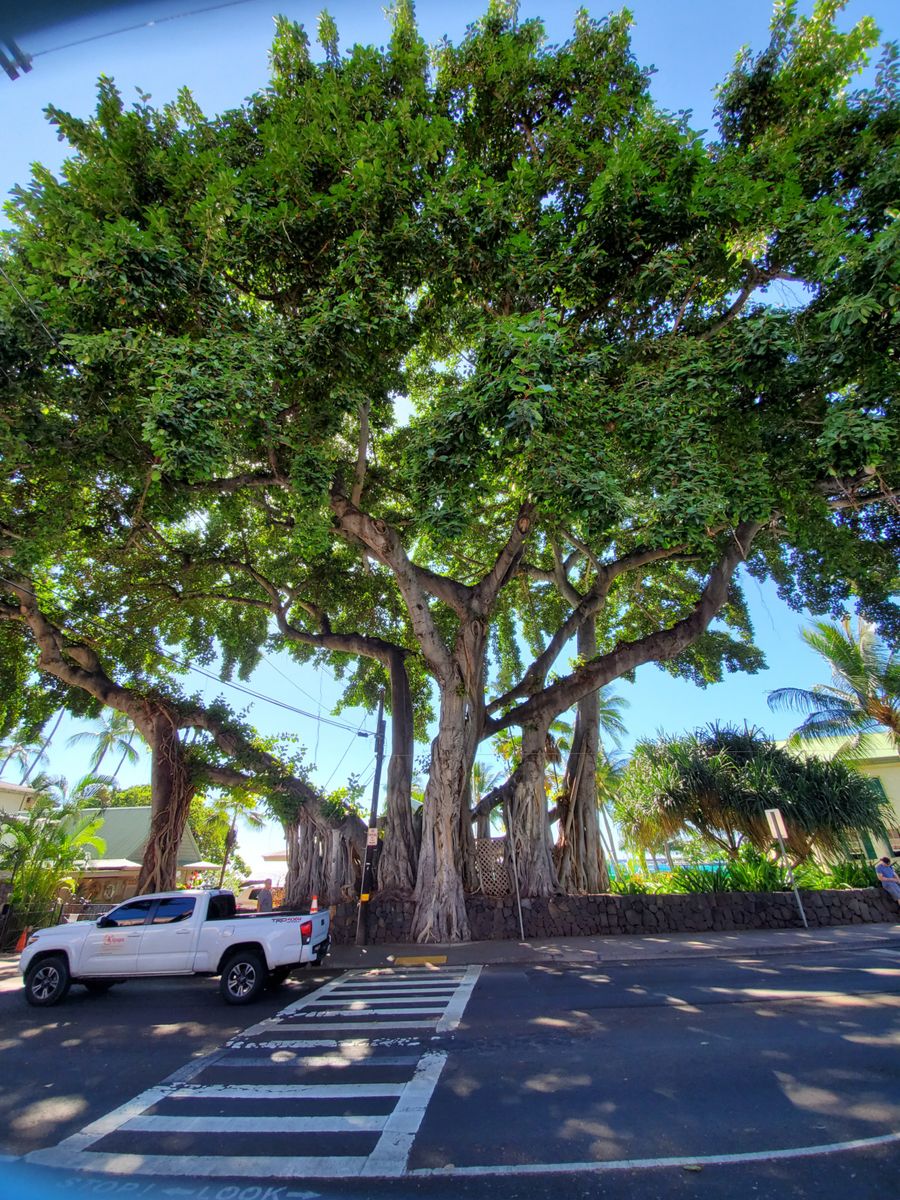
(653,1164)
(316,1061)
(286,1091)
(361,1123)
(325,1010)
(457,1005)
(391,1154)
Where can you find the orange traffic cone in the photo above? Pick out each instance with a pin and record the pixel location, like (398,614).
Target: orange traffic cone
(23,940)
(314,905)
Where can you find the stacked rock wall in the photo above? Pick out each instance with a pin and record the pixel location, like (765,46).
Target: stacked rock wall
(495,917)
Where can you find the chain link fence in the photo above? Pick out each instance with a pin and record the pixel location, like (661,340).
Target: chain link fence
(16,919)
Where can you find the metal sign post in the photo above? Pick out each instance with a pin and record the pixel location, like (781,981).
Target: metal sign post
(372,835)
(515,870)
(775,817)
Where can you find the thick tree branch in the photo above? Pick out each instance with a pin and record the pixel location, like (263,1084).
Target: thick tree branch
(237,483)
(74,663)
(586,607)
(485,593)
(659,646)
(414,583)
(362,450)
(236,745)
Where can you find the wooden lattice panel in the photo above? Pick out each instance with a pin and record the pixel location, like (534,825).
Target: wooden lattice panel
(490,859)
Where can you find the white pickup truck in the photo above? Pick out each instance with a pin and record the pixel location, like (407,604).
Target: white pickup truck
(174,933)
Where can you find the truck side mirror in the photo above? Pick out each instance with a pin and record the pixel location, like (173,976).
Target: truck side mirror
(103,922)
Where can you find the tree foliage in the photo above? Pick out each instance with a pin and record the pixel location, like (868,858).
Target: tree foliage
(717,782)
(43,849)
(211,325)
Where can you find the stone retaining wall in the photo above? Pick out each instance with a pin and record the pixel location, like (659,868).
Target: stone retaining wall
(495,918)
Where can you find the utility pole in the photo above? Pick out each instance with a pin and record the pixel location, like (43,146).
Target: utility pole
(372,834)
(17,58)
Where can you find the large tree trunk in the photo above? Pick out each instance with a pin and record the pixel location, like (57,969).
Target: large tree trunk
(172,788)
(400,851)
(579,850)
(528,820)
(344,846)
(335,872)
(292,837)
(467,865)
(440,900)
(306,861)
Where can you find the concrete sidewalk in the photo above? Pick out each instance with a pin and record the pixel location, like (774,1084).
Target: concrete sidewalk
(587,951)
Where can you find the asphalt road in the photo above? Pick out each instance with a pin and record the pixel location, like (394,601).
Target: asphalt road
(682,1078)
(63,1067)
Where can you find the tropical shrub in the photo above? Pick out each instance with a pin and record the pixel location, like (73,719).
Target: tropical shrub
(717,782)
(43,850)
(698,879)
(627,884)
(754,872)
(852,875)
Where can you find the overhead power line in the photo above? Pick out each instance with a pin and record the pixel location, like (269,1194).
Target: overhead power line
(21,60)
(238,687)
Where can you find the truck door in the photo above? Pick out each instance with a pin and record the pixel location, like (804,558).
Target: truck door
(167,941)
(112,948)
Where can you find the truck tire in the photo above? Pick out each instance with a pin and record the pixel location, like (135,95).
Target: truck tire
(244,977)
(47,981)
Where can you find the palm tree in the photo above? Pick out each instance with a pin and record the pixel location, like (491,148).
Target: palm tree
(718,782)
(17,750)
(483,779)
(236,804)
(863,696)
(41,751)
(88,791)
(116,732)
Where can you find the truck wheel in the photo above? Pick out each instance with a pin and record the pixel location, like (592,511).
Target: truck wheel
(278,975)
(97,987)
(244,976)
(47,981)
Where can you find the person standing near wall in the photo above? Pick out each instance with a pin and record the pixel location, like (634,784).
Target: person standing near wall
(889,878)
(264,897)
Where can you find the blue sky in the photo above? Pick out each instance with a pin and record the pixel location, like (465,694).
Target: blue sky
(221,56)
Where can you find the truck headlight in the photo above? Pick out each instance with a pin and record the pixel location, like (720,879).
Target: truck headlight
(32,940)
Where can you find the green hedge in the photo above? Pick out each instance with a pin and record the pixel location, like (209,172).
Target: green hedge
(752,872)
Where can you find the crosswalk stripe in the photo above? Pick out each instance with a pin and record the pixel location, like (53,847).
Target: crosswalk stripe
(285,1091)
(257,1166)
(335,1026)
(315,1014)
(395,993)
(457,1005)
(366,1019)
(391,1154)
(333,1062)
(366,1001)
(399,985)
(355,1123)
(348,1046)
